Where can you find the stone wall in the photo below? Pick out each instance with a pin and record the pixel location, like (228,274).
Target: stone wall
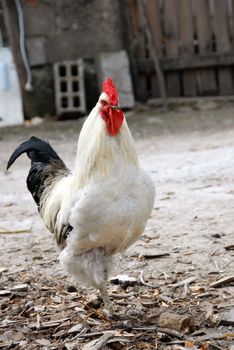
(58,30)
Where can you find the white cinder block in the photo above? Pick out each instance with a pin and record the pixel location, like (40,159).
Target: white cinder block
(69,87)
(116,66)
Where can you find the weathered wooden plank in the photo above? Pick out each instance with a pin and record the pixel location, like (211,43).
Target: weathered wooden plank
(232,22)
(186,33)
(206,81)
(171,100)
(153,13)
(223,44)
(225,81)
(152,8)
(140,50)
(153,52)
(154,85)
(203,25)
(130,41)
(171,35)
(188,62)
(221,26)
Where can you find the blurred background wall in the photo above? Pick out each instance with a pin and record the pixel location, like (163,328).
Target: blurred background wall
(193,41)
(57,31)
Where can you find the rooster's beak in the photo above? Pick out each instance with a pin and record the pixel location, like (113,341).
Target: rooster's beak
(117,107)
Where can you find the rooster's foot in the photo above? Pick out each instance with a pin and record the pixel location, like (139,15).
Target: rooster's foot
(112,315)
(110,312)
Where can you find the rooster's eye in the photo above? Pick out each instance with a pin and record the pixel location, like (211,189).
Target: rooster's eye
(104,103)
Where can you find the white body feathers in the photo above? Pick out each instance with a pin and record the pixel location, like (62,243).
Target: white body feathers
(107,200)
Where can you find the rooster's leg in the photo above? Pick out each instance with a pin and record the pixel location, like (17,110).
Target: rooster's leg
(107,302)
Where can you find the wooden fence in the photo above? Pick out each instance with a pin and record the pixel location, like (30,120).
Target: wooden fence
(194,40)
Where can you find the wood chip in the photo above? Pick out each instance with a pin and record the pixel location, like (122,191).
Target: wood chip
(76,329)
(174,321)
(121,296)
(228,318)
(151,255)
(229,247)
(43,342)
(225,305)
(210,316)
(20,288)
(206,294)
(3,269)
(91,335)
(47,324)
(4,293)
(170,332)
(71,345)
(94,301)
(166,299)
(222,282)
(54,323)
(98,344)
(124,279)
(38,324)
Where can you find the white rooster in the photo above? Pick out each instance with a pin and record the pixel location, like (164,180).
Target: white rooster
(99,209)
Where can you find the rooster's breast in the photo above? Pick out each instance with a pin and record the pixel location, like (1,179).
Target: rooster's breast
(112,212)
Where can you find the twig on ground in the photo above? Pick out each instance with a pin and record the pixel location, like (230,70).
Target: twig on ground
(11,232)
(187,282)
(141,278)
(216,265)
(228,263)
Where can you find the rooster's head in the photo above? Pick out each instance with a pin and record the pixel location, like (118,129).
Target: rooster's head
(110,110)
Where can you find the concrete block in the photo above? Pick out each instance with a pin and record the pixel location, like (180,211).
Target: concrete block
(36,51)
(116,66)
(69,87)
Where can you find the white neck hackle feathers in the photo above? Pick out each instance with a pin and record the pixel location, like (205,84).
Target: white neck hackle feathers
(99,153)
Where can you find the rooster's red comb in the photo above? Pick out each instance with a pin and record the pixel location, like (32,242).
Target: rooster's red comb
(109,88)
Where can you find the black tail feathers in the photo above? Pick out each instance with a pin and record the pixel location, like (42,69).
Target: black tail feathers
(36,149)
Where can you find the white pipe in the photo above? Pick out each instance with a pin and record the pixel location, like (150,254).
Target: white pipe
(28,86)
(1,39)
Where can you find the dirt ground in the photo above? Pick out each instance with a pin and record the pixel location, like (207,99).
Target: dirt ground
(189,153)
